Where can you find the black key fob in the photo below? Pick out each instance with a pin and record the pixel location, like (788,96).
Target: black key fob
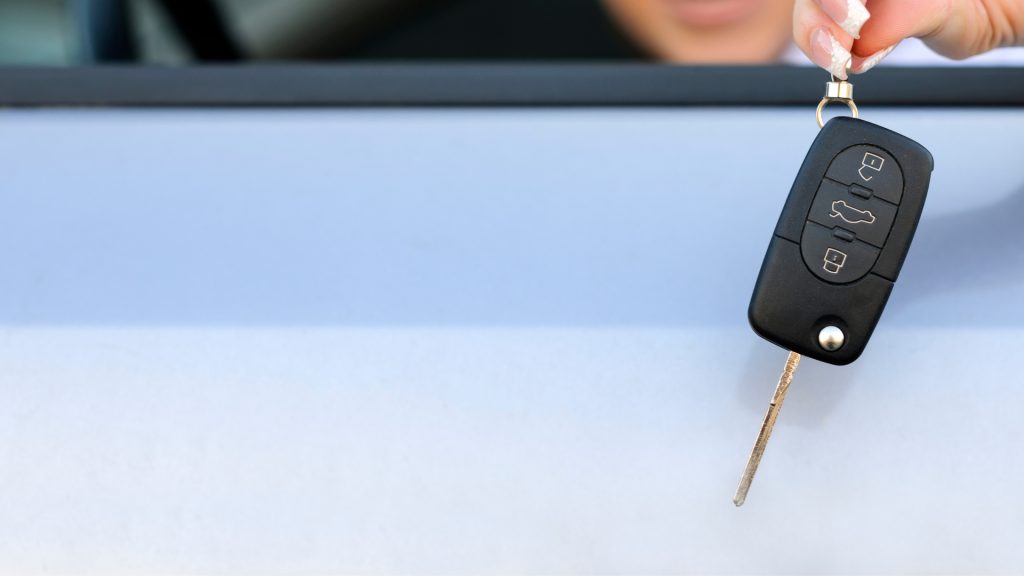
(841,240)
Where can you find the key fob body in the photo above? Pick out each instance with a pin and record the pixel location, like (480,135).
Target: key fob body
(841,240)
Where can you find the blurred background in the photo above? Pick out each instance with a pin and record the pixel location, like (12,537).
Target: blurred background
(68,32)
(165,32)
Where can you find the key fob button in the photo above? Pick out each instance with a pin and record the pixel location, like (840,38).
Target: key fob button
(870,168)
(844,207)
(833,258)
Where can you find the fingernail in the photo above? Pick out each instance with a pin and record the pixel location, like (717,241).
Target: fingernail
(849,14)
(862,65)
(828,53)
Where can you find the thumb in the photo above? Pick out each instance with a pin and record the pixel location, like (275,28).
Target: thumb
(953,28)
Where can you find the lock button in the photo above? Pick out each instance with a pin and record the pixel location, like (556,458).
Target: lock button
(870,168)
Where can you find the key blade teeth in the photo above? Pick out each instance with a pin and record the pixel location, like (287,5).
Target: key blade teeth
(766,428)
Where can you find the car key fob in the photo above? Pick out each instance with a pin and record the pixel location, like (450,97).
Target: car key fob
(841,240)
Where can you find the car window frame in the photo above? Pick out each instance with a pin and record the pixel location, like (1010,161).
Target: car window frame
(426,85)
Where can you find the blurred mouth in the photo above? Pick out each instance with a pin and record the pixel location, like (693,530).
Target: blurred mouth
(710,12)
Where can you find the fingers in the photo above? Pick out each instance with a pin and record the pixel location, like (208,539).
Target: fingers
(862,64)
(892,21)
(950,27)
(876,28)
(816,23)
(821,38)
(849,14)
(955,28)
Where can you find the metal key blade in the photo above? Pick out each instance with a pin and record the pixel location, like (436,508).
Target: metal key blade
(766,429)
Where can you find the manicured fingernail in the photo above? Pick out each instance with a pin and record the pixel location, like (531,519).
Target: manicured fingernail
(862,65)
(849,14)
(828,53)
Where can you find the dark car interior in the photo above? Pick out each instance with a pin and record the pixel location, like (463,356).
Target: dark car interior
(381,30)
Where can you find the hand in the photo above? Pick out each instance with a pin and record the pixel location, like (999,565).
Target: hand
(834,33)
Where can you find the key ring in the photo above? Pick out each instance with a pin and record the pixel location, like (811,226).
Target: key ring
(842,92)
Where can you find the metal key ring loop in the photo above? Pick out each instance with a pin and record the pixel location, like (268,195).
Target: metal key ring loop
(826,101)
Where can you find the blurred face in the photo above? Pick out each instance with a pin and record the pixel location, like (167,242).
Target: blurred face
(707,31)
(704,13)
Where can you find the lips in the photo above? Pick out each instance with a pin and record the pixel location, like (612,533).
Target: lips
(710,13)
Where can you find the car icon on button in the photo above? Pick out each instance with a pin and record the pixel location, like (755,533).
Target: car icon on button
(851,215)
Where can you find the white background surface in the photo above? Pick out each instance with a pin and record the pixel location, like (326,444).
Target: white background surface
(485,342)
